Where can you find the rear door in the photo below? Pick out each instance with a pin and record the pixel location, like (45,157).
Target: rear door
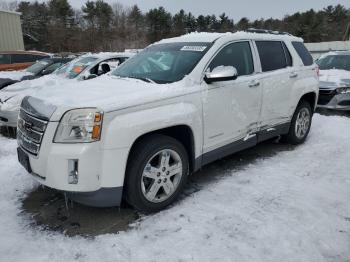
(276,79)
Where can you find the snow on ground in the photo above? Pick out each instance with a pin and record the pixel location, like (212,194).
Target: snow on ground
(293,206)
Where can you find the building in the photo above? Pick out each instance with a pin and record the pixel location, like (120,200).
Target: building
(11,37)
(317,49)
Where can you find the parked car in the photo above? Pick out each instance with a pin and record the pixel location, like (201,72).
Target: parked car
(165,113)
(43,67)
(19,60)
(334,80)
(85,67)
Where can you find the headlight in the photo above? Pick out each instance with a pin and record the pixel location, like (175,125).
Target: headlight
(343,90)
(80,126)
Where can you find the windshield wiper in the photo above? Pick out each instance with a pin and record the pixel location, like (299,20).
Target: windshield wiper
(145,79)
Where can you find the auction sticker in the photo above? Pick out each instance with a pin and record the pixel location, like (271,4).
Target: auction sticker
(193,48)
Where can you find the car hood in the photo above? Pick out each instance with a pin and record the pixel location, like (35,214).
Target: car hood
(110,93)
(14,75)
(334,78)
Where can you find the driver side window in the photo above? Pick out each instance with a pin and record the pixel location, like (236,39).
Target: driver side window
(238,55)
(50,69)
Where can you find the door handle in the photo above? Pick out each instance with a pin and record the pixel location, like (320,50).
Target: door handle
(254,84)
(293,75)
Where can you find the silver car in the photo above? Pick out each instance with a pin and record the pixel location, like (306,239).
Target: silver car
(334,80)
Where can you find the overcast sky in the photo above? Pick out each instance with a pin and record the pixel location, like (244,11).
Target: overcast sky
(236,9)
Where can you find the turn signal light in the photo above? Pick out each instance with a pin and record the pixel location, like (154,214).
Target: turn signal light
(96,132)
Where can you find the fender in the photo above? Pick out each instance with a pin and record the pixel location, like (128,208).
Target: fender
(124,129)
(301,87)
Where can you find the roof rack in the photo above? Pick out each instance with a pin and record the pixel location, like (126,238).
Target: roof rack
(265,31)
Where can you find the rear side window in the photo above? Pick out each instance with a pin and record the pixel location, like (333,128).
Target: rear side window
(25,58)
(303,53)
(5,59)
(272,55)
(22,58)
(38,57)
(238,55)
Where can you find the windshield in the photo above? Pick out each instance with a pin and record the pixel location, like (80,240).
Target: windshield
(335,62)
(163,63)
(75,67)
(38,66)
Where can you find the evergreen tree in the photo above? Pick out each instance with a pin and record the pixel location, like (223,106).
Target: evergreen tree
(55,26)
(159,24)
(179,23)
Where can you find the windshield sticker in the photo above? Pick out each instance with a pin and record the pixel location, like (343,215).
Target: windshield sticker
(77,69)
(193,48)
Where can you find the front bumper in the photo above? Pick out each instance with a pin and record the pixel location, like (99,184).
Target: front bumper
(8,118)
(334,101)
(100,173)
(104,197)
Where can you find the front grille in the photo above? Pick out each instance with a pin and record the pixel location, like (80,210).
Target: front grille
(30,132)
(325,96)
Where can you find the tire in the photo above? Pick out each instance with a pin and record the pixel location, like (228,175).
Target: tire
(148,172)
(303,124)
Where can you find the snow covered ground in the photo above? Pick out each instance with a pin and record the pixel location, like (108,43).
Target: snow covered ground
(292,206)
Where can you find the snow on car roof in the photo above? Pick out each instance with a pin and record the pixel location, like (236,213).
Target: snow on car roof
(205,37)
(106,55)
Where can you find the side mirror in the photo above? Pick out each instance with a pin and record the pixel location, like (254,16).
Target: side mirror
(46,72)
(92,76)
(221,73)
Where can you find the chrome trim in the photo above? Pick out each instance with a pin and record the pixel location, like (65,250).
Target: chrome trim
(22,139)
(30,133)
(31,115)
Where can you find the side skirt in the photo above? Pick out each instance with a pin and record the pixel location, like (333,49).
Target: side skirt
(241,144)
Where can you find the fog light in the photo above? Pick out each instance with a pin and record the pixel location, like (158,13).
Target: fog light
(73,172)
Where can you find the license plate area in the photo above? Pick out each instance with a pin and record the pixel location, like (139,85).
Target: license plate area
(23,159)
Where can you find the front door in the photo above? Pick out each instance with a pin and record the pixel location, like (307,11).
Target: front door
(231,109)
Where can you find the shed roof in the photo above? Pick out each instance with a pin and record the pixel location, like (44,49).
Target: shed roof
(10,12)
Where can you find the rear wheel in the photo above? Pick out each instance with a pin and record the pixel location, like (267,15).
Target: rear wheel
(156,174)
(300,125)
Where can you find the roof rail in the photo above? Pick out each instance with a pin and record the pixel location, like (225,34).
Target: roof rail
(265,31)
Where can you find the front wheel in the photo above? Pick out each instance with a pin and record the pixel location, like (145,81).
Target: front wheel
(300,125)
(156,174)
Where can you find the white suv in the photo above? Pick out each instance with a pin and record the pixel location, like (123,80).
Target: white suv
(165,113)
